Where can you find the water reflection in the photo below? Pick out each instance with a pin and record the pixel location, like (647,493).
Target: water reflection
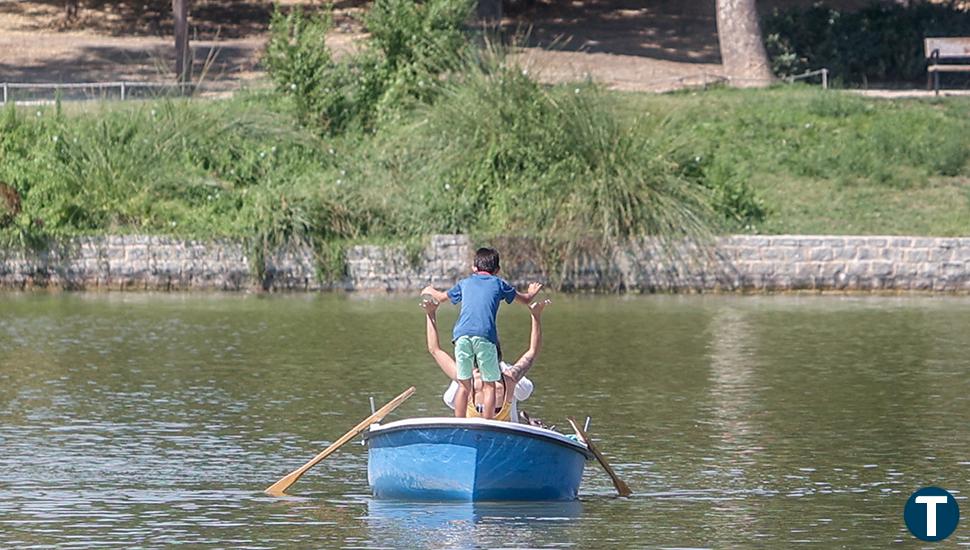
(466,524)
(733,398)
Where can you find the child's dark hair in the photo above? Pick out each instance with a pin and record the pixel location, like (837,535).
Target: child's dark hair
(486,259)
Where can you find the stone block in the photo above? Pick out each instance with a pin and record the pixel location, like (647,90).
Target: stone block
(750,254)
(906,270)
(961,253)
(830,270)
(820,254)
(917,255)
(794,254)
(953,269)
(927,269)
(881,268)
(894,254)
(844,253)
(136,252)
(772,253)
(940,254)
(806,270)
(761,268)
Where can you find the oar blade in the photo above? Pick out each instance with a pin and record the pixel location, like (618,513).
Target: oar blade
(279,488)
(621,487)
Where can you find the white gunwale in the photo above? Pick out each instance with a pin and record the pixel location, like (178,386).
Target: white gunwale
(525,429)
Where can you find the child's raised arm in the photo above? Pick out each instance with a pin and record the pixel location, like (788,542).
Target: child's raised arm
(527,297)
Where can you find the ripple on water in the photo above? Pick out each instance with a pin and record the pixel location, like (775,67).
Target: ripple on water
(158,420)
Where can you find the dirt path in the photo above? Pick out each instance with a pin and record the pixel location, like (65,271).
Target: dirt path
(624,44)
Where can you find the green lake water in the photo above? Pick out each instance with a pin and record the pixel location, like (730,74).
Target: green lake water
(157,419)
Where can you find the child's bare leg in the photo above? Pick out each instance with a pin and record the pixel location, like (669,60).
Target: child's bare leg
(461,398)
(488,391)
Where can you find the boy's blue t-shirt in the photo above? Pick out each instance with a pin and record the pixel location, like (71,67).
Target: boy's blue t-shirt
(480,295)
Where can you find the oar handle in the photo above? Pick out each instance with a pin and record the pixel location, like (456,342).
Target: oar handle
(289,479)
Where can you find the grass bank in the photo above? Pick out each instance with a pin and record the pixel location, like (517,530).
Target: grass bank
(829,162)
(568,163)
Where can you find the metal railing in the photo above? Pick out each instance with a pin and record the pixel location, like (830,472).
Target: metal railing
(22,92)
(809,74)
(124,89)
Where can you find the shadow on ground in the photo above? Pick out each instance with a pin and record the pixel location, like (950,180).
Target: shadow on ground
(91,63)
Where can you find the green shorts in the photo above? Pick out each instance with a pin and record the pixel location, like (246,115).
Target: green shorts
(469,349)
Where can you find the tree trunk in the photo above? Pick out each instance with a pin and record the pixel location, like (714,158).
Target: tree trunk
(742,50)
(71,9)
(490,12)
(183,58)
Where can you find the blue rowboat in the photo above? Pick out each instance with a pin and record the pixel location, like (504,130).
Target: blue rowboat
(470,459)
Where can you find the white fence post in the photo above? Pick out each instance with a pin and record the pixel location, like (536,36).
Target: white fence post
(122,90)
(6,89)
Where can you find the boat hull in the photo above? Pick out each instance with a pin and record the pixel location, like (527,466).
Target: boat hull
(472,460)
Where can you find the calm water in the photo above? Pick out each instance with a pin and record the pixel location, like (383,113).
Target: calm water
(738,421)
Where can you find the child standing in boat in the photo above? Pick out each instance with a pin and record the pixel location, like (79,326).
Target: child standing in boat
(475,334)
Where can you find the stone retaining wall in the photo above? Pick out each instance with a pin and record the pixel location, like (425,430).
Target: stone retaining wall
(736,263)
(849,263)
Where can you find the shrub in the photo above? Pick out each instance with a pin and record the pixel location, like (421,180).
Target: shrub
(411,45)
(302,67)
(500,154)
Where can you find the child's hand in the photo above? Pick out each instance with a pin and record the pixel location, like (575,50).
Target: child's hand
(534,289)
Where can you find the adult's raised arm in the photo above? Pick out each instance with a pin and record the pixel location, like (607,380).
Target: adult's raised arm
(445,361)
(522,366)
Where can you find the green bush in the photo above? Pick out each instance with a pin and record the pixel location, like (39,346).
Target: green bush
(411,44)
(302,67)
(498,153)
(881,43)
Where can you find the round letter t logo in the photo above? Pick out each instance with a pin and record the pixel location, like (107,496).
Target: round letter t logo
(931,514)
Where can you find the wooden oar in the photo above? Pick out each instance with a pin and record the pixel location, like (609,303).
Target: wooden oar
(622,488)
(283,484)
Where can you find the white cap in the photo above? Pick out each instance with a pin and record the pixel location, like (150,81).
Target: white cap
(522,390)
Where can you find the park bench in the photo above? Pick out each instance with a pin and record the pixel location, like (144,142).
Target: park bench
(946,49)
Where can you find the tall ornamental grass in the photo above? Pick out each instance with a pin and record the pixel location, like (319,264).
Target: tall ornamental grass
(500,153)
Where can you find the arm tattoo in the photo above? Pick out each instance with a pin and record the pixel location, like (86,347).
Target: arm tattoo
(518,370)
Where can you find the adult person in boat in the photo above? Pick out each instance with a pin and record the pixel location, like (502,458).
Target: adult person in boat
(513,386)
